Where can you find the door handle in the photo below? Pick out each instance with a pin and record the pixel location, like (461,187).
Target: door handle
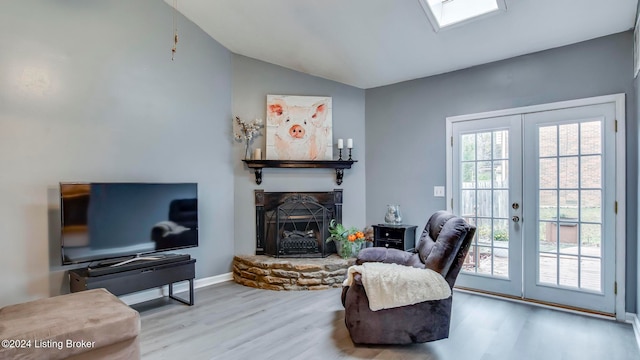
(515,218)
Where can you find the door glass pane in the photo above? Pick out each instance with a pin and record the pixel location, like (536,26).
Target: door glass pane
(484,174)
(568,271)
(591,137)
(568,205)
(590,240)
(548,235)
(548,141)
(501,248)
(548,200)
(548,173)
(468,200)
(500,138)
(590,171)
(500,174)
(548,269)
(590,274)
(501,233)
(591,206)
(484,146)
(568,235)
(568,139)
(484,203)
(500,203)
(484,232)
(501,262)
(569,172)
(485,259)
(468,175)
(468,144)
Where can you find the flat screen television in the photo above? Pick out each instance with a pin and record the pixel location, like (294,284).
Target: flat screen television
(102,221)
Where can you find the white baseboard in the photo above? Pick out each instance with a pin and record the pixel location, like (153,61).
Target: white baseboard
(634,320)
(537,304)
(147,295)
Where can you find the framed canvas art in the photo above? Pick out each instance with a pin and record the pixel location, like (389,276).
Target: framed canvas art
(299,128)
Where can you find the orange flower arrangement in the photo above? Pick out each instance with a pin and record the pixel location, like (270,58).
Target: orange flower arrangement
(348,240)
(356,236)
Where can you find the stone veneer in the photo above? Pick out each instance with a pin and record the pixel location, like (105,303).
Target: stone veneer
(266,272)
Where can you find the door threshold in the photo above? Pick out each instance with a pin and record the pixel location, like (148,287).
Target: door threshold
(544,304)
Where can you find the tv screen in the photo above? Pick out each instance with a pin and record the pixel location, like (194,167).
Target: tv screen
(109,220)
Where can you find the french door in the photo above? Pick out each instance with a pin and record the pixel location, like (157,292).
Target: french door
(540,188)
(488,178)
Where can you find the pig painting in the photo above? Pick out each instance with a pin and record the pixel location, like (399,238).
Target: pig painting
(299,128)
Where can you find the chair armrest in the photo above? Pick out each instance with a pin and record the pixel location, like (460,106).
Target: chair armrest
(357,281)
(390,256)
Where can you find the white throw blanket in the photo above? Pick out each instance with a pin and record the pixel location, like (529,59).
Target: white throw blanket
(393,285)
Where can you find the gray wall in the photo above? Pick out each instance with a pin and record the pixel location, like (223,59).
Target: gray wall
(406,122)
(636,104)
(88,92)
(636,84)
(253,80)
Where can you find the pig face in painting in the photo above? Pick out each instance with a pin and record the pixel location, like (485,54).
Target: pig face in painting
(301,130)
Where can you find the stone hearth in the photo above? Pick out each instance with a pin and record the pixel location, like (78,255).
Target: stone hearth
(266,272)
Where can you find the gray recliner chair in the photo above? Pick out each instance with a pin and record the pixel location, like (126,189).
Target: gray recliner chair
(443,246)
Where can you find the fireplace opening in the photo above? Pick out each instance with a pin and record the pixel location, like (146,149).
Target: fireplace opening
(295,224)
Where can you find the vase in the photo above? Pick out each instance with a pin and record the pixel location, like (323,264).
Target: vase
(351,250)
(246,150)
(393,215)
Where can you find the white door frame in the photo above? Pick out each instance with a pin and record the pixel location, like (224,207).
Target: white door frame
(620,223)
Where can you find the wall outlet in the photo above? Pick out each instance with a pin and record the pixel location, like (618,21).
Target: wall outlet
(438,191)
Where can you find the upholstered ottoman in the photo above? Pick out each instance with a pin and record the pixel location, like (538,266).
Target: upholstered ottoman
(91,324)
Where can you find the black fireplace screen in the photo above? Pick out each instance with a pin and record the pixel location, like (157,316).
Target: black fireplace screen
(296,224)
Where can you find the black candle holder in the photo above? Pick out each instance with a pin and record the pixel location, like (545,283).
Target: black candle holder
(350,154)
(340,154)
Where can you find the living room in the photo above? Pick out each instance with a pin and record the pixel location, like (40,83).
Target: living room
(89,92)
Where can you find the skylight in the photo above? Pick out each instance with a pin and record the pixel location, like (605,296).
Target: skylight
(444,13)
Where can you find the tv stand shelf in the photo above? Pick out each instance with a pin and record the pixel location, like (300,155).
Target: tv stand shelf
(144,275)
(338,165)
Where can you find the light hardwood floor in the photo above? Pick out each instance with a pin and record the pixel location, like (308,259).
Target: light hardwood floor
(231,321)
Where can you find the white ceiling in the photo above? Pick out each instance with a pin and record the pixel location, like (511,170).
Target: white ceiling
(370,43)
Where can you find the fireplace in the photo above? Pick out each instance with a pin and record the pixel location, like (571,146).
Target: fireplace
(295,224)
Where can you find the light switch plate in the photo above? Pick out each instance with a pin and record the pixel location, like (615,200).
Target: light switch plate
(438,191)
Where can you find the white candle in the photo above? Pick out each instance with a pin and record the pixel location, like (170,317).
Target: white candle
(257,154)
(340,144)
(350,143)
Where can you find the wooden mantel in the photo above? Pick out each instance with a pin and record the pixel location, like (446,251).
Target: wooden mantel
(338,165)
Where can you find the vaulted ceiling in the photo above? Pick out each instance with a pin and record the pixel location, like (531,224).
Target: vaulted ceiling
(370,43)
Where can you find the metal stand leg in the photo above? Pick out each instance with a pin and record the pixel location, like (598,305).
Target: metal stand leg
(187,302)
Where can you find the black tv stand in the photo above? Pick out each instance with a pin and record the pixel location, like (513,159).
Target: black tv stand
(136,274)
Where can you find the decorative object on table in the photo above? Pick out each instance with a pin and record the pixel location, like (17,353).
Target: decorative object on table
(340,146)
(299,128)
(349,241)
(369,236)
(246,131)
(350,146)
(393,215)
